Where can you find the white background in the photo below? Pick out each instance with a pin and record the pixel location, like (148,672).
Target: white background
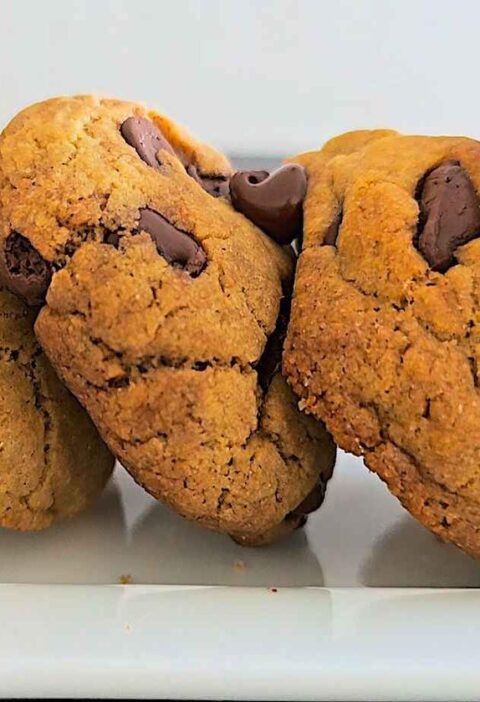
(253,76)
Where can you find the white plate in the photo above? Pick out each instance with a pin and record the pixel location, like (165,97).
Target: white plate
(344,610)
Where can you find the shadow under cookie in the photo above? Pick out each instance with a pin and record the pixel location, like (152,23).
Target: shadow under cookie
(408,555)
(90,548)
(167,549)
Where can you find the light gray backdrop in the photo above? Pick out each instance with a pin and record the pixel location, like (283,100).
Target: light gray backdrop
(253,76)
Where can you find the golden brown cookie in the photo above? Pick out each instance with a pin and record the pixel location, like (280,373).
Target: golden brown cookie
(161,302)
(384,339)
(52,461)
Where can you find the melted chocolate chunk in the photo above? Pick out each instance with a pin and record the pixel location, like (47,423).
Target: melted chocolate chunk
(449,214)
(176,246)
(216,186)
(271,360)
(146,138)
(273,202)
(311,503)
(27,273)
(112,238)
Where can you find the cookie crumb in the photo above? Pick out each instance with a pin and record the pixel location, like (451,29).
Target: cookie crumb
(239,566)
(128,628)
(125,579)
(273,589)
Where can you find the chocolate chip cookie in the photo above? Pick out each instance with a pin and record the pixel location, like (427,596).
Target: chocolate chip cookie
(384,338)
(52,461)
(162,310)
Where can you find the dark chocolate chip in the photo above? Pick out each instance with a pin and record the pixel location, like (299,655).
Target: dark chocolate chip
(112,238)
(273,202)
(176,246)
(310,504)
(146,139)
(254,177)
(449,214)
(216,186)
(331,234)
(271,360)
(302,520)
(27,273)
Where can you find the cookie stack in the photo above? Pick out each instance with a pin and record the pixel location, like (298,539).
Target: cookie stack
(163,284)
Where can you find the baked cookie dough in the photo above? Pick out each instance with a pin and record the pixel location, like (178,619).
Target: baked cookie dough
(161,311)
(52,461)
(384,338)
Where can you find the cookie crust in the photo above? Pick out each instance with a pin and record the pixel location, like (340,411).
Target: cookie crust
(52,461)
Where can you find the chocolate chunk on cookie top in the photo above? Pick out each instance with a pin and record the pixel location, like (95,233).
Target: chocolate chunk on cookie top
(274,202)
(383,342)
(450,214)
(161,312)
(145,137)
(147,140)
(176,247)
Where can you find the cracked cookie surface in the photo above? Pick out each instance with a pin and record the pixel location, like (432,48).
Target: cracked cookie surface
(52,461)
(161,300)
(384,338)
